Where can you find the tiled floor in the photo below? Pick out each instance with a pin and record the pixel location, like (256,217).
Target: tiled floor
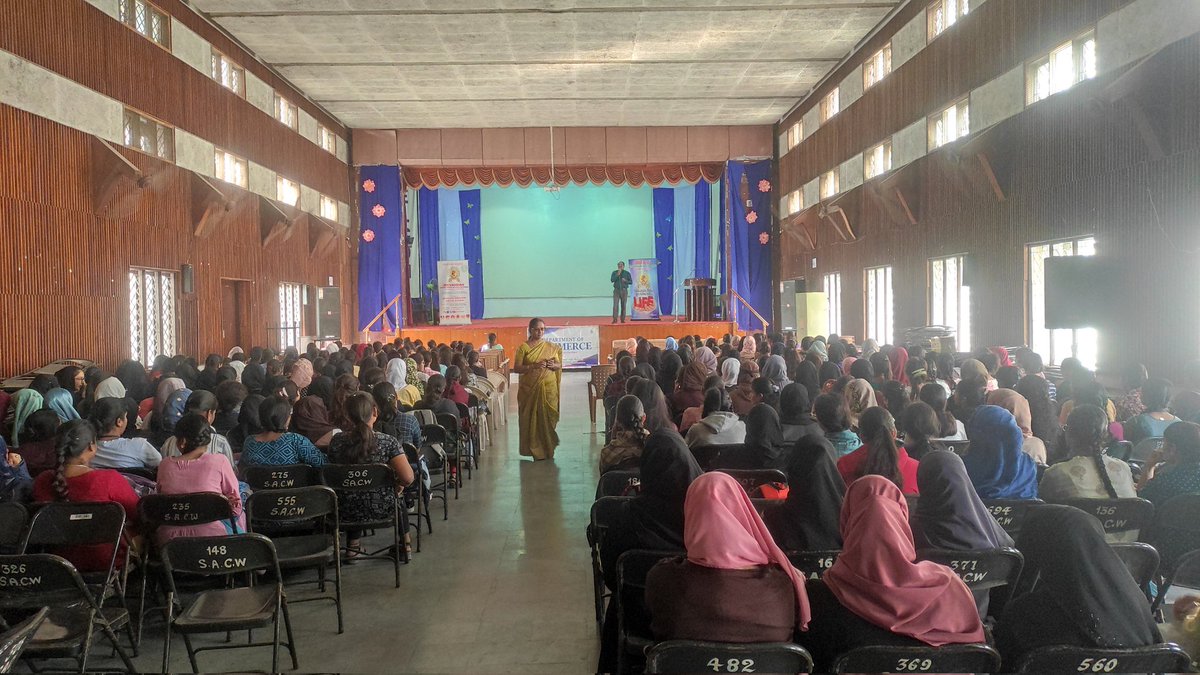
(503,587)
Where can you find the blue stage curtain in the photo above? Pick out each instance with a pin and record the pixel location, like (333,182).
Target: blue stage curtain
(751,244)
(427,228)
(685,222)
(380,217)
(703,266)
(723,286)
(472,217)
(664,245)
(450,234)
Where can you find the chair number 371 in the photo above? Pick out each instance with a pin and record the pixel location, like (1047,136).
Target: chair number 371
(731,665)
(1097,665)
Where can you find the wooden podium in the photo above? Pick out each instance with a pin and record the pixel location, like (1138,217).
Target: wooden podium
(698,299)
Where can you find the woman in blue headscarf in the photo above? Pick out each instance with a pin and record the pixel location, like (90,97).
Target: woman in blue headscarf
(62,403)
(174,409)
(25,403)
(997,466)
(672,344)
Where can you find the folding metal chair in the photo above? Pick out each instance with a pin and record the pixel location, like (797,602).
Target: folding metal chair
(813,564)
(708,456)
(418,492)
(438,461)
(604,512)
(283,476)
(14,518)
(225,610)
(1117,515)
(12,641)
(980,570)
(1162,658)
(317,505)
(1010,513)
(1142,562)
(683,657)
(457,446)
(968,658)
(619,483)
(633,635)
(1174,533)
(348,479)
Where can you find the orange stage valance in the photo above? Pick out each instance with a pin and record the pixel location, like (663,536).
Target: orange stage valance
(524,176)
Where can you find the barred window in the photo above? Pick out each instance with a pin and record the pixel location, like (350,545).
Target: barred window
(877,67)
(880,326)
(327,139)
(230,168)
(329,208)
(148,135)
(146,20)
(229,74)
(288,191)
(152,314)
(289,314)
(286,113)
(833,302)
(877,160)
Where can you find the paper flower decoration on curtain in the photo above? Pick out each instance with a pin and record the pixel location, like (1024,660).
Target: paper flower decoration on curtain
(368,236)
(764,238)
(378,210)
(368,185)
(764,185)
(752,217)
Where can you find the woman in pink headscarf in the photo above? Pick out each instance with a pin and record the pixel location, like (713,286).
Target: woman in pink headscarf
(899,359)
(301,374)
(735,585)
(876,593)
(749,348)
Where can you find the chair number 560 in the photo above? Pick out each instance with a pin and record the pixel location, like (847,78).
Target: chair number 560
(1097,665)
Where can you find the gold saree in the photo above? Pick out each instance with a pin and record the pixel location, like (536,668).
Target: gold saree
(538,399)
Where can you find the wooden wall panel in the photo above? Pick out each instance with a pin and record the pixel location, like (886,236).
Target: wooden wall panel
(82,43)
(63,267)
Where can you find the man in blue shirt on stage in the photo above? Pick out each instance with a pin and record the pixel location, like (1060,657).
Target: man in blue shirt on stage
(621,280)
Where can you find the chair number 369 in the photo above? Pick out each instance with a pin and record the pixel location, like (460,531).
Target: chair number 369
(731,665)
(1097,665)
(913,665)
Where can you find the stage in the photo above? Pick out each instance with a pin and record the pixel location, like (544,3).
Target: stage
(511,332)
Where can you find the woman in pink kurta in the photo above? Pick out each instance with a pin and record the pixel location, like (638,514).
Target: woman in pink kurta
(197,470)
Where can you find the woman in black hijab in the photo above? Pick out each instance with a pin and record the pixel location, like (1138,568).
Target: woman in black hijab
(1073,591)
(669,368)
(322,388)
(653,520)
(248,423)
(645,371)
(809,519)
(658,412)
(950,514)
(764,448)
(795,414)
(808,375)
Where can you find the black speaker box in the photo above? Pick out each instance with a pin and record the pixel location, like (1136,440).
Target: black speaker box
(1081,291)
(187,279)
(329,313)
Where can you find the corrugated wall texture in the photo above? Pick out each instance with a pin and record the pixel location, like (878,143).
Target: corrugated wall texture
(63,288)
(78,41)
(1071,166)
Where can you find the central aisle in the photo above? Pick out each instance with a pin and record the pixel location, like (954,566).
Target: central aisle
(503,586)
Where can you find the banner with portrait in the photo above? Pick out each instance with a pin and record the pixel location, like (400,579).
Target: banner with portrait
(454,292)
(645,289)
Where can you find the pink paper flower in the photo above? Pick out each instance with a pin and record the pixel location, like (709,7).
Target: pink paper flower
(378,210)
(368,185)
(368,236)
(764,185)
(764,238)
(752,217)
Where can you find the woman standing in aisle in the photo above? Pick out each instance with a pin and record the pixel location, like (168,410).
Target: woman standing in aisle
(539,363)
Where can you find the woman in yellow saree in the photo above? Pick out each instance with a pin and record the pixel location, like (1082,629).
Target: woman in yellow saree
(539,364)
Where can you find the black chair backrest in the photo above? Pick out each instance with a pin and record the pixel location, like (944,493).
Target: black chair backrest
(632,568)
(1176,529)
(220,556)
(752,479)
(275,477)
(1010,513)
(957,447)
(1163,658)
(192,508)
(619,483)
(604,512)
(981,570)
(13,519)
(448,422)
(814,564)
(691,656)
(1140,559)
(1117,515)
(707,456)
(140,471)
(355,477)
(74,524)
(35,580)
(291,506)
(434,433)
(945,659)
(12,641)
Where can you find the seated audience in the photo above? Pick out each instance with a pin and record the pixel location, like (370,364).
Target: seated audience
(26,402)
(833,414)
(1087,391)
(1173,469)
(311,420)
(16,485)
(1043,420)
(38,441)
(690,390)
(860,396)
(735,584)
(1089,473)
(808,519)
(110,416)
(1074,590)
(1133,378)
(194,469)
(696,413)
(876,592)
(62,403)
(997,466)
(969,395)
(880,456)
(275,445)
(1154,420)
(1019,407)
(456,391)
(743,395)
(719,425)
(654,402)
(763,448)
(205,403)
(230,395)
(624,448)
(795,414)
(435,388)
(920,426)
(949,428)
(247,422)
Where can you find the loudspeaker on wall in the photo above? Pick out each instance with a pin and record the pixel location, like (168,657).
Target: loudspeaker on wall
(188,279)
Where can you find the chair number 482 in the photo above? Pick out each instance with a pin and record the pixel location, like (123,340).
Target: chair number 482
(731,665)
(1097,665)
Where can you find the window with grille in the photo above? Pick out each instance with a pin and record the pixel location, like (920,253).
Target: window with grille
(877,67)
(230,168)
(878,160)
(287,191)
(229,74)
(1065,66)
(945,13)
(879,303)
(830,105)
(152,314)
(146,20)
(148,135)
(795,134)
(290,298)
(950,124)
(829,184)
(327,139)
(833,302)
(329,208)
(1054,345)
(286,113)
(949,299)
